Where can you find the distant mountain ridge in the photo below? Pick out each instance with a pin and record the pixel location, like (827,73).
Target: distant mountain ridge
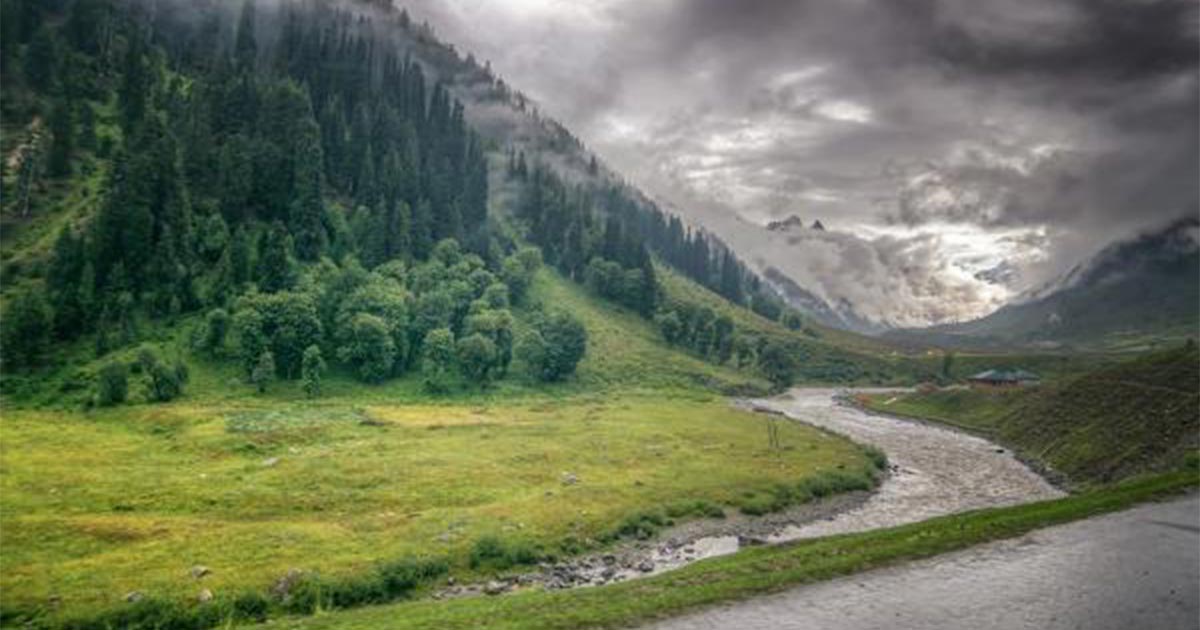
(841,315)
(793,222)
(1130,292)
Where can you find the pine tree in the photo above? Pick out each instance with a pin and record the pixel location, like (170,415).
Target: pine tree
(41,60)
(86,23)
(422,229)
(246,47)
(239,258)
(647,298)
(135,81)
(26,330)
(62,131)
(275,267)
(87,127)
(307,208)
(62,284)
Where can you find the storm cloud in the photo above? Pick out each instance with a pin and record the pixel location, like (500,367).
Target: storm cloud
(959,151)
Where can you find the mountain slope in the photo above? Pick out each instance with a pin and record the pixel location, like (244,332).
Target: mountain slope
(273,284)
(1131,292)
(842,316)
(1139,415)
(332,170)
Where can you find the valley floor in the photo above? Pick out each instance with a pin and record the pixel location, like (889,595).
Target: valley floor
(95,507)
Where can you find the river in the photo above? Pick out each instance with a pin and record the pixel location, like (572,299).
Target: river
(934,471)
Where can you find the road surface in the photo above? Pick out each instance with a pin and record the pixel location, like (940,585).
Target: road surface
(1134,569)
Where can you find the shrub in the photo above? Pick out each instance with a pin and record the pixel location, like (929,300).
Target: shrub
(264,371)
(438,359)
(368,346)
(402,576)
(778,364)
(489,552)
(878,458)
(555,347)
(113,385)
(641,526)
(695,508)
(250,606)
(783,496)
(26,330)
(216,328)
(164,381)
(391,581)
(311,369)
(476,356)
(756,505)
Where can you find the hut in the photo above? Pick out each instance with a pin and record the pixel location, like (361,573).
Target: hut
(1004,377)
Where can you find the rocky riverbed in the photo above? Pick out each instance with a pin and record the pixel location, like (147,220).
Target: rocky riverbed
(933,471)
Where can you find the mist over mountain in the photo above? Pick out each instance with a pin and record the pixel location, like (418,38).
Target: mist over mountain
(1136,289)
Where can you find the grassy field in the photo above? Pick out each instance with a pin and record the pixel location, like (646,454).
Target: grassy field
(95,507)
(97,504)
(748,573)
(1128,417)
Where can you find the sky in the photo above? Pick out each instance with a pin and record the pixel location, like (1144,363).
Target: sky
(959,152)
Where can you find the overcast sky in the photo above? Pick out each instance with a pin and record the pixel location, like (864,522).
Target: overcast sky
(937,139)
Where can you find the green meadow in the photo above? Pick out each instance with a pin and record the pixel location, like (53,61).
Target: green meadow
(97,504)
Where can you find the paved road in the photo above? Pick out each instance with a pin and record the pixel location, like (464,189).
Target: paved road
(1125,571)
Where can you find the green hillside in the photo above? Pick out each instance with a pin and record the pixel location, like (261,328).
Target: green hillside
(270,302)
(1135,416)
(126,499)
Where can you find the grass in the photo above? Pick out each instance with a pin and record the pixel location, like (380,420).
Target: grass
(101,503)
(752,572)
(97,506)
(977,411)
(1121,419)
(825,355)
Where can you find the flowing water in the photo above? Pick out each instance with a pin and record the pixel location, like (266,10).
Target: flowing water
(934,471)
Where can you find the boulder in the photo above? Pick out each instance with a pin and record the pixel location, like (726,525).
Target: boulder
(284,585)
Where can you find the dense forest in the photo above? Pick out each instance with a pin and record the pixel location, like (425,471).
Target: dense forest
(295,175)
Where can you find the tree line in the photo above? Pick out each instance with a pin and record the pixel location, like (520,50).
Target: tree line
(603,238)
(235,174)
(243,170)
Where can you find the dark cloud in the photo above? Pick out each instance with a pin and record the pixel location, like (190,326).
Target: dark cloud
(1111,40)
(1031,132)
